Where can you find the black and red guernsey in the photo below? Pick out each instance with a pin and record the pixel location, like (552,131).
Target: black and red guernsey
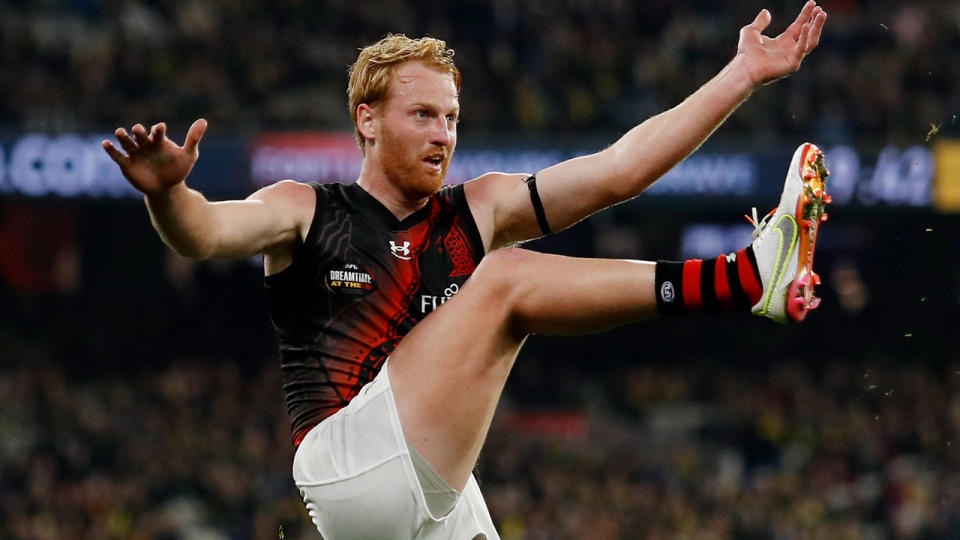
(358,283)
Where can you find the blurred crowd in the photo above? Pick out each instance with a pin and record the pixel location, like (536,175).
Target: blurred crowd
(703,452)
(542,67)
(192,451)
(200,450)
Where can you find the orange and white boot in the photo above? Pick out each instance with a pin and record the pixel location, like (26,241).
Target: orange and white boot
(785,240)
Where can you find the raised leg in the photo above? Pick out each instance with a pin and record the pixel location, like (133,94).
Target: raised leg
(448,373)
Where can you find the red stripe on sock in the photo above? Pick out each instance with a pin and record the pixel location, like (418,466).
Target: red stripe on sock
(691,284)
(720,283)
(748,279)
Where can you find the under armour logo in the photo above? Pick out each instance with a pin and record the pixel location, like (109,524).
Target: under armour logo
(400,252)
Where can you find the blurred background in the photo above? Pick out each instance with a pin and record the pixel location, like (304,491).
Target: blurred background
(140,391)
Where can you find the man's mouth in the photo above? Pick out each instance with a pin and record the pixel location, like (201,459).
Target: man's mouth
(434,160)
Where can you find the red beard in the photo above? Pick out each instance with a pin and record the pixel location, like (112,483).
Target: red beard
(408,169)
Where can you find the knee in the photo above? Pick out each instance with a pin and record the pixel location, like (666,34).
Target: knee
(501,275)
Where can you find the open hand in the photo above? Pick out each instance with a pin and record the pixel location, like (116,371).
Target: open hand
(768,59)
(153,163)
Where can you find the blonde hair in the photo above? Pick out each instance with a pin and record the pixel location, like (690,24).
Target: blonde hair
(371,74)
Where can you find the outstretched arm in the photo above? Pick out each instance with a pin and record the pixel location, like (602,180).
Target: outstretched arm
(576,188)
(269,220)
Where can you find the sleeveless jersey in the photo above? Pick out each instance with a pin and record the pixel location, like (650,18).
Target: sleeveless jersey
(359,281)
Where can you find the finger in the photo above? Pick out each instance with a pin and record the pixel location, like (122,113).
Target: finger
(194,134)
(801,47)
(807,42)
(804,40)
(140,135)
(761,22)
(116,155)
(125,141)
(815,31)
(793,31)
(157,134)
(161,131)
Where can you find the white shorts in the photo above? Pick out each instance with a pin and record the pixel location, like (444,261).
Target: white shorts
(358,481)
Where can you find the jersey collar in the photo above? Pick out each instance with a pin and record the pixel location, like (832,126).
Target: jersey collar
(368,204)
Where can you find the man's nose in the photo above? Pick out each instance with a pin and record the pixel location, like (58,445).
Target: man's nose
(442,133)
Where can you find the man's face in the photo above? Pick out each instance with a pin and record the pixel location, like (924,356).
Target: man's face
(416,128)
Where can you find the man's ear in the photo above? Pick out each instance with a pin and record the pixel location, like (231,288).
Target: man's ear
(365,121)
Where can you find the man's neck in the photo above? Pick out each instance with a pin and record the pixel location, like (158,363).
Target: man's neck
(388,194)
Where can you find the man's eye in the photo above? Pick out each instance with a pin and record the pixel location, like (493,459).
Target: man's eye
(452,118)
(421,114)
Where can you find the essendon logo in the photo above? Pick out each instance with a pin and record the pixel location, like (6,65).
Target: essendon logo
(667,292)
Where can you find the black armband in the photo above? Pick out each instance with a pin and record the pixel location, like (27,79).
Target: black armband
(531,182)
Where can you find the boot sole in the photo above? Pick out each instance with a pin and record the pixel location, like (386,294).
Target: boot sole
(809,214)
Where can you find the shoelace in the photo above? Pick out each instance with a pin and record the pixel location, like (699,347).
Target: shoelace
(758,225)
